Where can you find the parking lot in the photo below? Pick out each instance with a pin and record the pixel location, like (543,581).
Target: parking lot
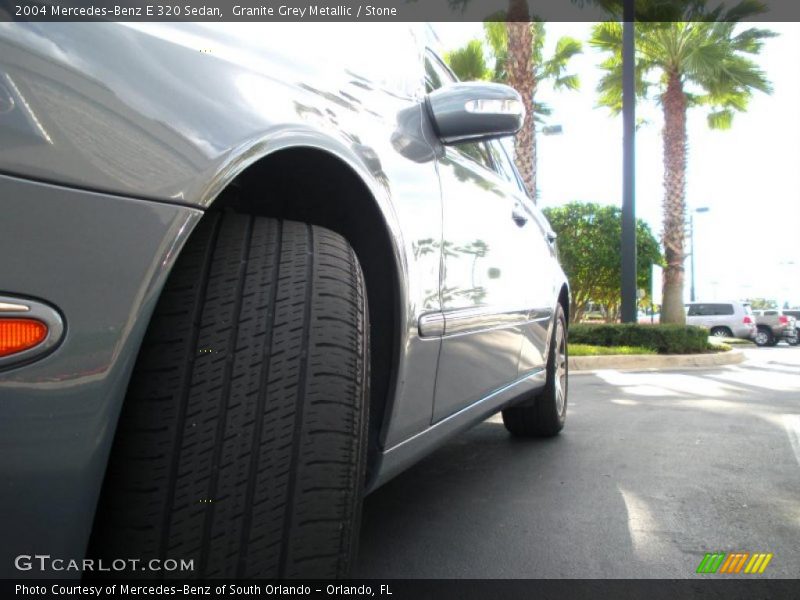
(653,470)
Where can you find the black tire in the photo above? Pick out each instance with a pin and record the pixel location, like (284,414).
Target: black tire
(793,341)
(242,440)
(722,332)
(764,337)
(546,414)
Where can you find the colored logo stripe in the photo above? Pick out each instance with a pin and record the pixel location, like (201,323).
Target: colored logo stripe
(734,562)
(758,563)
(711,562)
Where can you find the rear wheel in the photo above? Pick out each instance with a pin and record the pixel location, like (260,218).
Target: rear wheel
(241,444)
(764,337)
(546,416)
(721,332)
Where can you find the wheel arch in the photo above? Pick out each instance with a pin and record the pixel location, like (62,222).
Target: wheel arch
(563,300)
(316,184)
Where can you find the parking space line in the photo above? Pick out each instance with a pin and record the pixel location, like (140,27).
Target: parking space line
(792,425)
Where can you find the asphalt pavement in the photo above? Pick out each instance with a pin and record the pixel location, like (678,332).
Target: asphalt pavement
(653,470)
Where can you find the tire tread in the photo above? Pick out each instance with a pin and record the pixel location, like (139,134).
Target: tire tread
(241,441)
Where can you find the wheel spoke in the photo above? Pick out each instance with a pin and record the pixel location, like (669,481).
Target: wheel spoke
(559,396)
(560,368)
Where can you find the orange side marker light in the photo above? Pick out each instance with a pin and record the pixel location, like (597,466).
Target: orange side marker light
(18,335)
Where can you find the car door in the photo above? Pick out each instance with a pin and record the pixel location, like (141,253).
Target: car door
(704,315)
(694,314)
(483,304)
(539,281)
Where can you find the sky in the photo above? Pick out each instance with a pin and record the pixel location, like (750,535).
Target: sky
(748,243)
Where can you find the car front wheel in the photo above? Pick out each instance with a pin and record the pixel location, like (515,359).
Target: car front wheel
(546,415)
(241,443)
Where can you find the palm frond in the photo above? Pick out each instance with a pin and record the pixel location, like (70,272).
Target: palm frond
(704,59)
(496,32)
(567,82)
(537,38)
(541,110)
(607,37)
(744,10)
(751,40)
(711,54)
(720,119)
(469,62)
(566,49)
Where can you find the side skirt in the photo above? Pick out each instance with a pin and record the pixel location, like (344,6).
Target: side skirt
(396,459)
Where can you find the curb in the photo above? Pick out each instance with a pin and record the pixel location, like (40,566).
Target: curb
(654,361)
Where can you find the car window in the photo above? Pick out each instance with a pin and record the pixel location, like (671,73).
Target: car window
(695,310)
(520,181)
(710,310)
(437,75)
(503,165)
(720,309)
(770,313)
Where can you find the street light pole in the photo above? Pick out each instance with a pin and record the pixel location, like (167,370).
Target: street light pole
(691,232)
(629,298)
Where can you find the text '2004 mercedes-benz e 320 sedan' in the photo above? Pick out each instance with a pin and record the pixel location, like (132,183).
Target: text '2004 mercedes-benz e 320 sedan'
(246,280)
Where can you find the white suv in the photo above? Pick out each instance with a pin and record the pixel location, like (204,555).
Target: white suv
(723,319)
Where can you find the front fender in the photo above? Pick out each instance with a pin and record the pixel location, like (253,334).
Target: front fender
(102,261)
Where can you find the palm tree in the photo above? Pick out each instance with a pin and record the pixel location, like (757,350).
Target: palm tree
(699,62)
(469,62)
(516,45)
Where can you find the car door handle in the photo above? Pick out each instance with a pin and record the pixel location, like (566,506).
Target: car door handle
(519,217)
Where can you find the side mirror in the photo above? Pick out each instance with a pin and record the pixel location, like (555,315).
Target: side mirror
(472,111)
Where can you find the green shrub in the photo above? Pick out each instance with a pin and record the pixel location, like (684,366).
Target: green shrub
(719,347)
(587,350)
(664,339)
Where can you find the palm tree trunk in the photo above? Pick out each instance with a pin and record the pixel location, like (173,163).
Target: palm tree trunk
(674,140)
(520,77)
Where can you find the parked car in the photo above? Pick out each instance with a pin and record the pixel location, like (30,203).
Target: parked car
(648,317)
(773,326)
(795,313)
(256,282)
(722,319)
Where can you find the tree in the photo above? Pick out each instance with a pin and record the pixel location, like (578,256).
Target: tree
(469,62)
(589,245)
(516,47)
(763,303)
(697,61)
